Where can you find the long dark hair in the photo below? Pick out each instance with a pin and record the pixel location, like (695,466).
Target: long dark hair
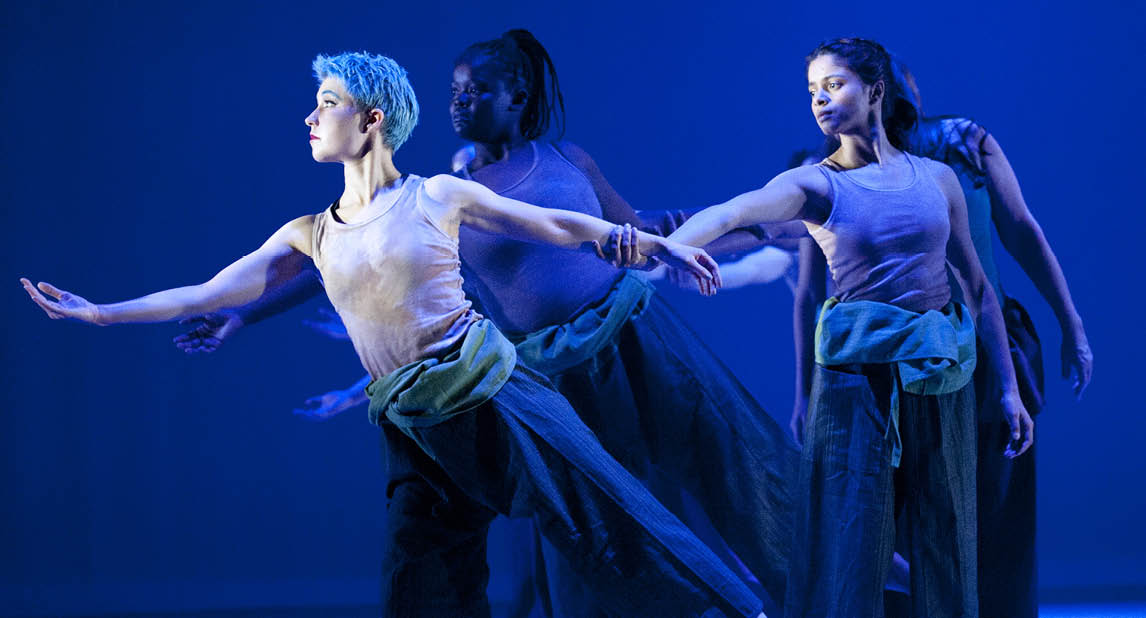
(526,65)
(872,63)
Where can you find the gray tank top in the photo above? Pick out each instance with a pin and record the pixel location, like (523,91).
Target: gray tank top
(887,245)
(394,277)
(525,286)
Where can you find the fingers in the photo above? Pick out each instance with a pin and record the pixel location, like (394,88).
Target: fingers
(615,242)
(1087,370)
(193,344)
(629,238)
(49,307)
(1077,361)
(600,252)
(1022,433)
(50,290)
(711,265)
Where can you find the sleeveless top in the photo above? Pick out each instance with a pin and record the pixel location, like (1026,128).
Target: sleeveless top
(524,286)
(946,139)
(394,277)
(887,245)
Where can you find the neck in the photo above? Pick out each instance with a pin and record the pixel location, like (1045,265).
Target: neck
(865,147)
(496,152)
(367,176)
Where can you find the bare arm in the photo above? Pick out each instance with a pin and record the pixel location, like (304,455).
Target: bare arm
(1023,238)
(482,209)
(811,291)
(614,208)
(799,193)
(248,279)
(985,308)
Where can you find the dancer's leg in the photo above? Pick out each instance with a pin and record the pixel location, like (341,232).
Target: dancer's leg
(434,545)
(706,433)
(844,516)
(938,482)
(526,452)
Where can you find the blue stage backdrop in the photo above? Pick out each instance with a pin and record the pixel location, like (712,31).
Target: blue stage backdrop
(148,144)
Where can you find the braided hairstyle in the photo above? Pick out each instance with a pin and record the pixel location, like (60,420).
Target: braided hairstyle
(872,63)
(525,64)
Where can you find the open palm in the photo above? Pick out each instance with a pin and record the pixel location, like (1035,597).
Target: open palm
(59,304)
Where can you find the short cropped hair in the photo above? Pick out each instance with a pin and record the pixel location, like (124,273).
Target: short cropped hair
(375,82)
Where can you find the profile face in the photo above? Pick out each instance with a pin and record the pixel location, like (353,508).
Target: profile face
(480,104)
(840,99)
(336,126)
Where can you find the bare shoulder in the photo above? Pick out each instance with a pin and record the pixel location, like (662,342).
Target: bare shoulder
(446,187)
(450,190)
(809,179)
(296,234)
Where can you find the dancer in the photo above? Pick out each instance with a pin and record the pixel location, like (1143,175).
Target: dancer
(892,400)
(478,432)
(1008,583)
(657,398)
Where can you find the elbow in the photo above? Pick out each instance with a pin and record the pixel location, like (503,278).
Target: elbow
(1021,236)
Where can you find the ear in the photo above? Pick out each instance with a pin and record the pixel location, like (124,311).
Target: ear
(372,120)
(877,92)
(518,100)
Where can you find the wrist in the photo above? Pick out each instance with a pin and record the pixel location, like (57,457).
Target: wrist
(649,245)
(1010,396)
(102,316)
(1072,329)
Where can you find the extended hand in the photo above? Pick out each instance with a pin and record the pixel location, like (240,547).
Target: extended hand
(210,333)
(1077,360)
(325,406)
(64,304)
(328,324)
(1022,427)
(692,260)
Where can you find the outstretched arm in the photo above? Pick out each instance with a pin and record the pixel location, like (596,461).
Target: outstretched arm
(984,306)
(614,208)
(481,208)
(280,258)
(1023,238)
(212,329)
(800,193)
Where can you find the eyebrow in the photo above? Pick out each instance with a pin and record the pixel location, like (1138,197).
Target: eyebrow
(839,75)
(331,92)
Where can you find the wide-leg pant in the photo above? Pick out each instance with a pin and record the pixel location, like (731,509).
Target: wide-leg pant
(849,495)
(1008,574)
(526,453)
(669,410)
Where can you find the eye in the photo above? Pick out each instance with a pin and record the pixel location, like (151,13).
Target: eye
(328,103)
(834,85)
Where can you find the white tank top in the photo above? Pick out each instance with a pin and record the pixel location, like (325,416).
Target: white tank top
(394,277)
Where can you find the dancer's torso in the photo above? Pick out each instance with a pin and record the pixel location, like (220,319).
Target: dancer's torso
(887,244)
(393,276)
(524,286)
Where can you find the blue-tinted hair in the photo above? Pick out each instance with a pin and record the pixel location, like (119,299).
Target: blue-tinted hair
(375,82)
